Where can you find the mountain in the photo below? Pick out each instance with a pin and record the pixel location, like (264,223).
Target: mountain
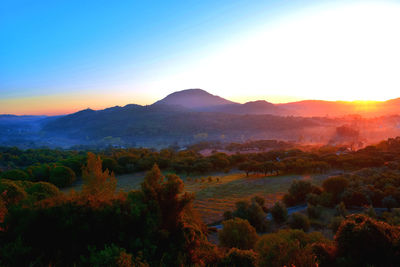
(194,99)
(195,115)
(201,100)
(161,124)
(255,107)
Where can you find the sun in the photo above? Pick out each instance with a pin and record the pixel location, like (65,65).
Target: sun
(331,52)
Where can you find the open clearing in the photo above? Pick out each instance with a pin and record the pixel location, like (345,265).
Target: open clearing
(219,192)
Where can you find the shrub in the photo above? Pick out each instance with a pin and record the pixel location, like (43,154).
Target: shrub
(15,175)
(11,192)
(110,164)
(341,210)
(252,212)
(335,223)
(111,256)
(62,176)
(228,215)
(389,202)
(370,211)
(298,192)
(287,248)
(314,212)
(39,172)
(355,198)
(299,221)
(335,185)
(42,190)
(326,253)
(279,213)
(240,258)
(237,233)
(363,241)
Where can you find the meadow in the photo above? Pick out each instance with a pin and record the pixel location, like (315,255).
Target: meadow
(218,192)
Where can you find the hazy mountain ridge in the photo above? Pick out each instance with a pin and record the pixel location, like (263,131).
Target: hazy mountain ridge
(200,100)
(177,118)
(194,98)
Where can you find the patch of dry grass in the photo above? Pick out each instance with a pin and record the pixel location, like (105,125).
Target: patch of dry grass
(219,192)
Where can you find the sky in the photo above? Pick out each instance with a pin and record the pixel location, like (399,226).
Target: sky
(58,57)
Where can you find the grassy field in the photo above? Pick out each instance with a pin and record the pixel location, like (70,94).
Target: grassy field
(219,192)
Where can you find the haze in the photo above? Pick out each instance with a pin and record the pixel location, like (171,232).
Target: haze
(61,58)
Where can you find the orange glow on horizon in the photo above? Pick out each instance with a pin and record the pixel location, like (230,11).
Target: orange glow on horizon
(62,104)
(67,103)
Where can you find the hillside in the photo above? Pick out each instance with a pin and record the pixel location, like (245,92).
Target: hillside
(168,124)
(193,98)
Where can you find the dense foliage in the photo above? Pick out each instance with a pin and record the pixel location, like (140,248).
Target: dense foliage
(155,225)
(158,226)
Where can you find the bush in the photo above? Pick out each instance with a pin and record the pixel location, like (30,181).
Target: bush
(15,175)
(335,185)
(298,192)
(335,223)
(389,202)
(62,176)
(42,190)
(370,211)
(363,241)
(355,198)
(341,210)
(287,248)
(299,221)
(110,164)
(314,212)
(279,213)
(39,172)
(240,258)
(237,233)
(110,256)
(252,212)
(11,192)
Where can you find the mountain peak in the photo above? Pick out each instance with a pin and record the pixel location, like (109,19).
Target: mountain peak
(193,98)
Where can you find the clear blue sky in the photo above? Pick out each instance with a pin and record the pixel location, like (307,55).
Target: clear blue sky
(104,53)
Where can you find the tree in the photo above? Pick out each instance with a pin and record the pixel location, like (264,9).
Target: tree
(363,241)
(240,258)
(39,172)
(389,202)
(299,221)
(279,213)
(10,192)
(96,182)
(335,185)
(110,164)
(42,190)
(15,175)
(314,212)
(253,212)
(298,192)
(288,248)
(341,209)
(247,167)
(62,176)
(110,256)
(237,233)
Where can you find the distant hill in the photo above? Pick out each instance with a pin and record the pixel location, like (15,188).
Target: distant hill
(161,123)
(193,98)
(201,100)
(255,107)
(195,115)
